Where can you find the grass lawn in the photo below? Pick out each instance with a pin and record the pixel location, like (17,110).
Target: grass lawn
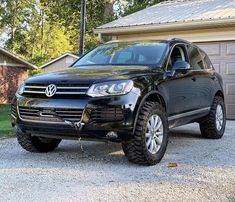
(5,123)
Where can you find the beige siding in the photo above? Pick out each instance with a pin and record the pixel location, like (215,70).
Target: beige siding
(202,35)
(60,64)
(6,60)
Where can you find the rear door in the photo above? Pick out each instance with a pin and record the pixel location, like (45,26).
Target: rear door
(202,89)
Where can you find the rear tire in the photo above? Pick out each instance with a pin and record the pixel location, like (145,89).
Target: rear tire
(36,144)
(213,125)
(149,143)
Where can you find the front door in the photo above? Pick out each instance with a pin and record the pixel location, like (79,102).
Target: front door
(180,88)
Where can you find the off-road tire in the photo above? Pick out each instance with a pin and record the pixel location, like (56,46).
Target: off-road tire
(135,149)
(208,124)
(34,144)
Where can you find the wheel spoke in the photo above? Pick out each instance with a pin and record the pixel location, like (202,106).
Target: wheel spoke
(152,122)
(159,133)
(158,140)
(154,146)
(148,142)
(151,146)
(156,121)
(148,134)
(159,125)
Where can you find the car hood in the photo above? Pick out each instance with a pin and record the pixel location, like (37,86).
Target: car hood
(90,74)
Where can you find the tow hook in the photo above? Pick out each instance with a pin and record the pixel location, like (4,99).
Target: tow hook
(77,125)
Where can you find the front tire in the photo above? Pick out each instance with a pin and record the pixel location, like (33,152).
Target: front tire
(36,144)
(150,137)
(213,125)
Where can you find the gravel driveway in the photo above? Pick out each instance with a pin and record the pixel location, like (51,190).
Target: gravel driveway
(205,172)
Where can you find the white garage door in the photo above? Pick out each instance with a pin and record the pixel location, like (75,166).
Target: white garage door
(222,55)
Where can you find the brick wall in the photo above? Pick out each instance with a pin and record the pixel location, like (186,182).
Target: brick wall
(10,78)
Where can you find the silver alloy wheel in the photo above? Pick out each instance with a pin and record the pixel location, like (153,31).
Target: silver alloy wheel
(219,117)
(154,134)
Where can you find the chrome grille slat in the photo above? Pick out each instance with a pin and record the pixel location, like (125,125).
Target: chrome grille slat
(28,113)
(70,93)
(61,89)
(34,113)
(68,87)
(35,87)
(34,92)
(13,110)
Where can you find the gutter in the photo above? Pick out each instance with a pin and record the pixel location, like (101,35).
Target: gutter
(29,65)
(166,26)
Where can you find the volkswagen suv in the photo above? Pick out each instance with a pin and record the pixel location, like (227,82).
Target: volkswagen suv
(131,92)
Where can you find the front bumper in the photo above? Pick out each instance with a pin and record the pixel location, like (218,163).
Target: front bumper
(124,107)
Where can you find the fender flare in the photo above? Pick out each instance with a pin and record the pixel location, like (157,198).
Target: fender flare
(143,101)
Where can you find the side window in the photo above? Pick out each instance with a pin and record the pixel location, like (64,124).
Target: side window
(195,58)
(207,62)
(177,54)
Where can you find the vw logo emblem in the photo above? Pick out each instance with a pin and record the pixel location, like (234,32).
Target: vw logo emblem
(50,90)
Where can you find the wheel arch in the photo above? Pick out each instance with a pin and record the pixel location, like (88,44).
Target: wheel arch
(153,96)
(219,93)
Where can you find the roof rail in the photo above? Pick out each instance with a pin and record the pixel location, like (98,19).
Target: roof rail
(178,39)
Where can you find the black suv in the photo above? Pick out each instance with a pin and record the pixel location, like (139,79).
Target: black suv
(130,92)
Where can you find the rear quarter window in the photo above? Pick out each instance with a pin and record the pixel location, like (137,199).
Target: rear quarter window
(195,58)
(207,61)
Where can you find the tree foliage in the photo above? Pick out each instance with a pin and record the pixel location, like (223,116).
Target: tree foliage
(40,30)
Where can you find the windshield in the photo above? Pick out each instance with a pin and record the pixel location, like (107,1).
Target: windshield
(128,53)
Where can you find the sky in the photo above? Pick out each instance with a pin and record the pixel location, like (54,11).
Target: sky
(3,38)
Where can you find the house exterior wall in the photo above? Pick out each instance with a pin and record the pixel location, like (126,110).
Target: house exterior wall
(10,78)
(197,35)
(63,63)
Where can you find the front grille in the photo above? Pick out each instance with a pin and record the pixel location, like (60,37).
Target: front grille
(38,90)
(50,114)
(106,115)
(13,110)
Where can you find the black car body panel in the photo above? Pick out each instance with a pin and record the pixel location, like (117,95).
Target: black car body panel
(186,97)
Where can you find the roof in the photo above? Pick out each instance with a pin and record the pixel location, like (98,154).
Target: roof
(176,12)
(17,58)
(76,56)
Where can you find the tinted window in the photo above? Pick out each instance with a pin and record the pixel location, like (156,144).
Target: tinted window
(138,53)
(178,54)
(195,58)
(207,62)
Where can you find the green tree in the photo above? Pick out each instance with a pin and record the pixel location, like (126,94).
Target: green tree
(14,16)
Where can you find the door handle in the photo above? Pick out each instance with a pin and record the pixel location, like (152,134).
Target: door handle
(194,78)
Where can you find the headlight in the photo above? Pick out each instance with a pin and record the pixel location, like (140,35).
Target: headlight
(20,90)
(110,88)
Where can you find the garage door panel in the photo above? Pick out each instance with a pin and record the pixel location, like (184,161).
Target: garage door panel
(231,49)
(217,67)
(230,69)
(230,88)
(230,111)
(211,49)
(222,55)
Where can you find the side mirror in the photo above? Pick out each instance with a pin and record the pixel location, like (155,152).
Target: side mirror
(178,67)
(181,66)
